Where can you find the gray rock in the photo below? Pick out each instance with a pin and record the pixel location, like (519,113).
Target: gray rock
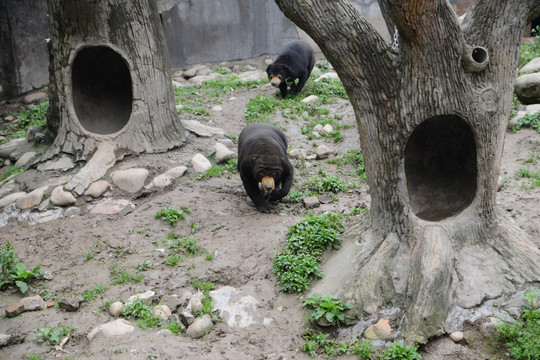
(7,189)
(193,71)
(328,75)
(200,327)
(298,154)
(25,159)
(227,142)
(184,297)
(31,199)
(116,308)
(14,145)
(217,108)
(112,207)
(63,163)
(311,99)
(176,172)
(70,211)
(200,79)
(61,197)
(102,160)
(323,152)
(165,332)
(202,130)
(11,198)
(162,311)
(161,181)
(31,303)
(311,202)
(200,163)
(70,304)
(456,336)
(131,180)
(235,310)
(186,318)
(531,66)
(327,129)
(114,328)
(527,88)
(30,98)
(223,153)
(97,188)
(533,107)
(195,303)
(147,297)
(252,75)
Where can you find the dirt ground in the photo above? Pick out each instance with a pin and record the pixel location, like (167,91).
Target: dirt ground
(241,240)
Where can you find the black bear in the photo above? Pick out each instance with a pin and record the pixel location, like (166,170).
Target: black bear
(262,158)
(294,62)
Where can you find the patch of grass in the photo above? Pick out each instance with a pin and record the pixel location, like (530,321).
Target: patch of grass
(353,157)
(186,246)
(516,104)
(533,158)
(92,293)
(298,263)
(529,51)
(332,309)
(205,287)
(170,215)
(297,196)
(228,169)
(35,115)
(522,338)
(53,336)
(121,276)
(533,177)
(14,272)
(173,260)
(324,184)
(529,120)
(88,256)
(142,313)
(11,171)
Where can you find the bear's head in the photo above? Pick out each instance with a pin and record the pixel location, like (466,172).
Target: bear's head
(278,73)
(267,170)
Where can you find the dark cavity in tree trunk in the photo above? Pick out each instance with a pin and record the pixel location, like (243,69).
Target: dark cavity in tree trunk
(440,167)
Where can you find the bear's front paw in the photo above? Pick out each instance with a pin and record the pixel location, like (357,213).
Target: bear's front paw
(264,209)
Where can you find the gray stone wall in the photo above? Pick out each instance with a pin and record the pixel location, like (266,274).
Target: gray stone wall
(23,49)
(196,31)
(222,30)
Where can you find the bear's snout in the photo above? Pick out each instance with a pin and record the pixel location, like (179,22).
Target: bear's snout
(275,81)
(268,184)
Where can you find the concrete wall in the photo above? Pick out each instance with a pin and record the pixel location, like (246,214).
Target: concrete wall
(196,31)
(23,50)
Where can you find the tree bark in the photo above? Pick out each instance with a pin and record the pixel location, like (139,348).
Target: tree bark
(110,79)
(432,119)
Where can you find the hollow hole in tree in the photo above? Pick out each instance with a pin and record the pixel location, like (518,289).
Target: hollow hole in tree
(101,89)
(441,168)
(479,55)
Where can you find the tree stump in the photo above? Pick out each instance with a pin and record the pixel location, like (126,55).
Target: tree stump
(110,80)
(432,117)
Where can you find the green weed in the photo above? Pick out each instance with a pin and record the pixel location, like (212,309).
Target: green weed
(170,215)
(142,313)
(122,276)
(205,287)
(35,115)
(528,121)
(92,293)
(173,260)
(298,263)
(219,170)
(11,171)
(333,310)
(53,336)
(353,157)
(325,184)
(529,51)
(522,338)
(144,265)
(533,177)
(14,272)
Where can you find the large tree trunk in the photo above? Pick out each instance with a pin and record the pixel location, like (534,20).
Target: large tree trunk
(432,118)
(110,79)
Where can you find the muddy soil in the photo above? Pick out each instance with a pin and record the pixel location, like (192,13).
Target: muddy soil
(79,251)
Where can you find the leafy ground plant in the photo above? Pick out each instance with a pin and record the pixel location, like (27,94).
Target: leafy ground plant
(35,115)
(528,121)
(329,308)
(522,338)
(53,336)
(220,170)
(533,178)
(298,263)
(171,216)
(92,293)
(14,272)
(205,287)
(142,313)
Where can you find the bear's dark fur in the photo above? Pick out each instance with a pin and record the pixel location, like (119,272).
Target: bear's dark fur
(262,158)
(294,62)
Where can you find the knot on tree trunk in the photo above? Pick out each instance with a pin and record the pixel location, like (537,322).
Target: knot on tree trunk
(474,58)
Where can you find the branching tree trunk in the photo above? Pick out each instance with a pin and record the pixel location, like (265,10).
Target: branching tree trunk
(431,118)
(110,79)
